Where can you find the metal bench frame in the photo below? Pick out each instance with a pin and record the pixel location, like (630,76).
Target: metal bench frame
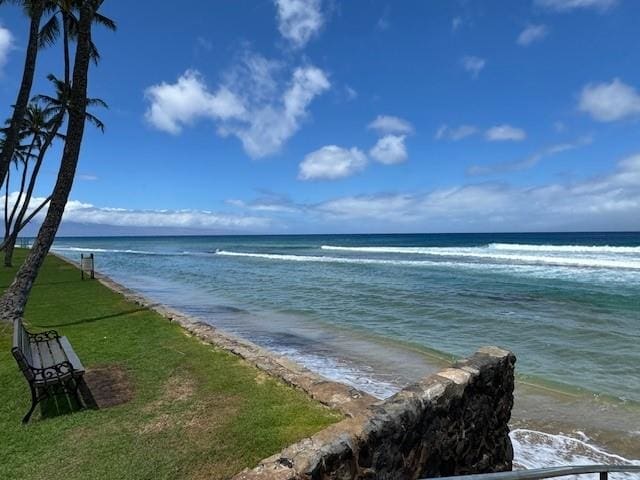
(49,376)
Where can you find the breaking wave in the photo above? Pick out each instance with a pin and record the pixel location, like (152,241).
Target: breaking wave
(488,253)
(323,259)
(533,449)
(564,248)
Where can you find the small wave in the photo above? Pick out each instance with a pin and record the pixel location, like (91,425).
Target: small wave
(115,250)
(564,248)
(534,449)
(322,259)
(483,253)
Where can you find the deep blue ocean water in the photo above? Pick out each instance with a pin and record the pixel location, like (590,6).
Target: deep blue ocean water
(379,311)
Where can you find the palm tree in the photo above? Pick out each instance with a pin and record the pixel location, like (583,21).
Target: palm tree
(58,105)
(55,109)
(34,10)
(38,125)
(35,125)
(19,156)
(64,12)
(13,301)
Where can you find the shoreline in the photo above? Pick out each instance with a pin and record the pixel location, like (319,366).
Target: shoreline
(542,408)
(346,399)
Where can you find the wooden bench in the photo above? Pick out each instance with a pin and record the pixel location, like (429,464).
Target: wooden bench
(49,364)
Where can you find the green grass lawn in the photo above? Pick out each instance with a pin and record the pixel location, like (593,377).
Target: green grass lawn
(193,411)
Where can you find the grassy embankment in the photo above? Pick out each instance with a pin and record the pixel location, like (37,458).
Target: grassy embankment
(183,408)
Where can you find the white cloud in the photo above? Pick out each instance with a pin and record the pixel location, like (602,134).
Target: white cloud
(299,20)
(531,34)
(501,133)
(204,44)
(568,5)
(86,213)
(607,102)
(473,65)
(559,127)
(383,22)
(87,177)
(606,202)
(6,45)
(527,162)
(388,124)
(268,127)
(332,162)
(252,103)
(175,105)
(455,133)
(456,23)
(350,93)
(390,150)
(269,204)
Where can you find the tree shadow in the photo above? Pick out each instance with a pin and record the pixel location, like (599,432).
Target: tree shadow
(97,319)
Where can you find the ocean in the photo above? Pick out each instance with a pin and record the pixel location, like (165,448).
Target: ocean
(380,311)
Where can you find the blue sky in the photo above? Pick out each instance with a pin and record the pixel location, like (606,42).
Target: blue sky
(312,116)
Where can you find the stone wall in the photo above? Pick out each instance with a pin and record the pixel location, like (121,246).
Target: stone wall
(452,423)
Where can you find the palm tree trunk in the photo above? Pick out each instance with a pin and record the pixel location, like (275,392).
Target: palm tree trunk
(27,220)
(10,241)
(23,183)
(65,44)
(6,205)
(8,251)
(20,108)
(14,300)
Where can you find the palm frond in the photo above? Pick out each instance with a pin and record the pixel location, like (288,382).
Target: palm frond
(95,121)
(97,102)
(105,22)
(94,53)
(49,33)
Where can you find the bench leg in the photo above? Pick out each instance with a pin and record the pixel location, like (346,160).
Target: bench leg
(34,402)
(76,394)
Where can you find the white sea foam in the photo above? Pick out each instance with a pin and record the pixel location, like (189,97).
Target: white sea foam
(102,250)
(126,251)
(484,253)
(533,449)
(341,371)
(323,259)
(591,275)
(565,248)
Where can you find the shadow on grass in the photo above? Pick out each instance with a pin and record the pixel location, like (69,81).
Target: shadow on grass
(101,387)
(58,405)
(97,319)
(60,282)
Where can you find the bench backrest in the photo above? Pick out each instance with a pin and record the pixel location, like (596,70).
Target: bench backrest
(22,348)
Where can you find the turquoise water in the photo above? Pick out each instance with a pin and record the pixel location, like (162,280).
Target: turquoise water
(380,311)
(567,304)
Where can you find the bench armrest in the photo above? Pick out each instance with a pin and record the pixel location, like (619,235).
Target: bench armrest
(44,336)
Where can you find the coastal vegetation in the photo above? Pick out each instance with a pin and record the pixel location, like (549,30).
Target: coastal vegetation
(39,126)
(178,408)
